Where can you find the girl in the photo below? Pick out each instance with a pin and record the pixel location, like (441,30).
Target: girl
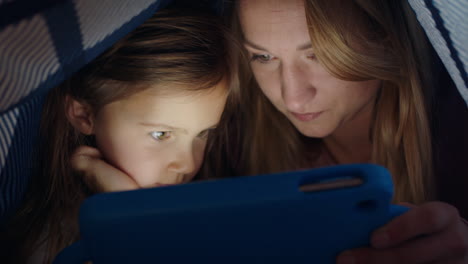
(142,113)
(332,82)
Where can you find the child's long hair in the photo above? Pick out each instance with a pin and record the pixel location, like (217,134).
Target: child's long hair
(391,47)
(183,47)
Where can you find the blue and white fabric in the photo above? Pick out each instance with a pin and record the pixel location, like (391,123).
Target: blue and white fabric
(446,25)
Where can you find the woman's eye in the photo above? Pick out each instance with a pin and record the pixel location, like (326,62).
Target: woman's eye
(311,56)
(161,135)
(262,58)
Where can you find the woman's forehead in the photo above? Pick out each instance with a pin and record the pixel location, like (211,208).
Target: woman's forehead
(278,8)
(264,13)
(272,23)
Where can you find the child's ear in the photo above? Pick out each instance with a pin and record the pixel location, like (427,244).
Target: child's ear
(80,115)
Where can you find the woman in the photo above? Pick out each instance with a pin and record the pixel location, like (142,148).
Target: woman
(333,82)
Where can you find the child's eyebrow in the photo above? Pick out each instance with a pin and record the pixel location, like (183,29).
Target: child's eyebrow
(163,126)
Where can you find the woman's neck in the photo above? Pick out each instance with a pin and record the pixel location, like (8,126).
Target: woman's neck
(351,142)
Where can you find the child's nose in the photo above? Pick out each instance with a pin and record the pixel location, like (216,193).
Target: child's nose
(183,163)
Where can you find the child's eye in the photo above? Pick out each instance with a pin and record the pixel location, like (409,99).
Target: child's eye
(262,58)
(161,135)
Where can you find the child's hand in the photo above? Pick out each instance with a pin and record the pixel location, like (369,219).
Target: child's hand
(430,233)
(100,175)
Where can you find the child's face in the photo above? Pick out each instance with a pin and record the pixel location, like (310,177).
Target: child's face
(159,139)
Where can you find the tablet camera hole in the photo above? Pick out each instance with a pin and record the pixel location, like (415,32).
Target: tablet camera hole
(367,206)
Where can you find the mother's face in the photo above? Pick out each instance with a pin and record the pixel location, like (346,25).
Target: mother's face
(289,74)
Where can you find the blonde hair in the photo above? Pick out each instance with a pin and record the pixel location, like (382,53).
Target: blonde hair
(355,41)
(389,40)
(251,140)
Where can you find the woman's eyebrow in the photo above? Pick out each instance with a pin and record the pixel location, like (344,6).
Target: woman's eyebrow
(253,45)
(305,46)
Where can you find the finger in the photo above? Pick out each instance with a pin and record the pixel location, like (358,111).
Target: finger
(107,178)
(87,151)
(452,260)
(98,174)
(440,247)
(423,220)
(82,157)
(464,221)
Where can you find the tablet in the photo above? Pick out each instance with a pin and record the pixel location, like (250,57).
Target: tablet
(307,216)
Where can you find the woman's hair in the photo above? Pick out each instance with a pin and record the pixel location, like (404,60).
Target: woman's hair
(355,41)
(382,40)
(175,48)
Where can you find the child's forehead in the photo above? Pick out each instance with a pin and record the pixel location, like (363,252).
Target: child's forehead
(183,91)
(190,110)
(157,96)
(194,87)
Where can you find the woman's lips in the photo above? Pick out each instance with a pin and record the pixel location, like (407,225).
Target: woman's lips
(305,117)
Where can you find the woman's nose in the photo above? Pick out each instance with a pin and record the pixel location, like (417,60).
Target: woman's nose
(296,87)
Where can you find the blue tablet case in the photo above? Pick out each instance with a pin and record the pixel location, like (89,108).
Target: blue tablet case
(255,219)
